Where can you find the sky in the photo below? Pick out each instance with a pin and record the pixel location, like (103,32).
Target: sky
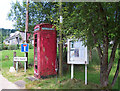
(5,6)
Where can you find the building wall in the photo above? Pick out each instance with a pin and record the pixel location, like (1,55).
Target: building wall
(13,41)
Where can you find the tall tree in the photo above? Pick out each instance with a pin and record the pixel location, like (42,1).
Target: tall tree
(97,23)
(39,12)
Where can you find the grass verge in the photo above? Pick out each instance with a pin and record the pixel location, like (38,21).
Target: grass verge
(56,83)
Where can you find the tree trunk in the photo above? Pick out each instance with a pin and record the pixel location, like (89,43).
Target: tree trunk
(103,64)
(103,70)
(112,56)
(117,70)
(103,74)
(90,54)
(116,73)
(61,44)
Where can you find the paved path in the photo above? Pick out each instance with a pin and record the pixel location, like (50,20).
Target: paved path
(5,84)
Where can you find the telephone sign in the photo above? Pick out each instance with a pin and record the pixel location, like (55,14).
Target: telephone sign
(24,47)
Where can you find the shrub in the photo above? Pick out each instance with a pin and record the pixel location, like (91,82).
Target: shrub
(4,47)
(12,47)
(31,46)
(0,47)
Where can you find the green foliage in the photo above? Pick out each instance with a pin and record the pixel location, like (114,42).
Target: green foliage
(31,46)
(85,19)
(13,47)
(4,33)
(80,20)
(0,47)
(4,46)
(8,47)
(39,12)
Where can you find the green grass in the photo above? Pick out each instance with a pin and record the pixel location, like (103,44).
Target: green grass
(8,62)
(60,83)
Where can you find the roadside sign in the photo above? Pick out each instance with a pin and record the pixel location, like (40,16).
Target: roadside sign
(24,47)
(17,59)
(20,58)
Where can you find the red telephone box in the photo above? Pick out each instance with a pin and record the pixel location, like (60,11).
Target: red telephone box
(44,50)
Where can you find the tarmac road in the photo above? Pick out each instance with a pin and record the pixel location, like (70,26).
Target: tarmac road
(5,84)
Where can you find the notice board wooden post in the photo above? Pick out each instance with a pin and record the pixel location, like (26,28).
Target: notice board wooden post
(14,55)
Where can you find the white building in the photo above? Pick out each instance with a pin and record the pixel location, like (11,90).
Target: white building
(17,38)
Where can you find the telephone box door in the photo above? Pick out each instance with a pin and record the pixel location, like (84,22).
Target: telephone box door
(36,53)
(48,53)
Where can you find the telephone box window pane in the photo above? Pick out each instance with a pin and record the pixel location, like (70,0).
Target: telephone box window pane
(36,62)
(35,45)
(35,49)
(35,58)
(36,53)
(35,66)
(35,36)
(35,40)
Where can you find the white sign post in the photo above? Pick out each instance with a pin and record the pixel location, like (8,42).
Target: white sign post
(17,59)
(85,74)
(77,54)
(72,71)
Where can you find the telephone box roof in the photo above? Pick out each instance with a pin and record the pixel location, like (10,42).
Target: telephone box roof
(43,24)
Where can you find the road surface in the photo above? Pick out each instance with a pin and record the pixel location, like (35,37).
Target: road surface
(5,84)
